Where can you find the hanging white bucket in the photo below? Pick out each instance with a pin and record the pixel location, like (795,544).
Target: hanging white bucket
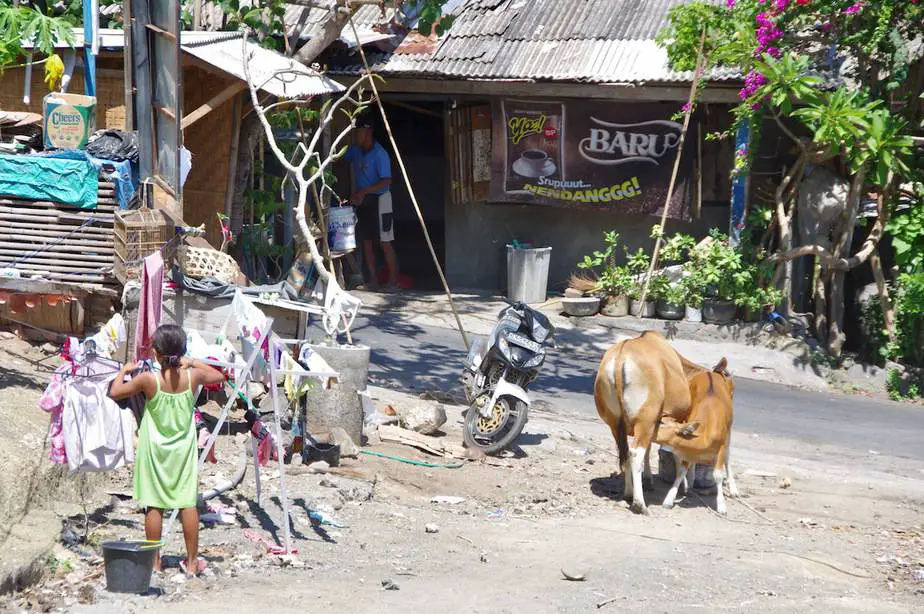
(342,229)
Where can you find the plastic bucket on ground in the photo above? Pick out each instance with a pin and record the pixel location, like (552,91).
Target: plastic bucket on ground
(528,274)
(129,565)
(327,452)
(342,229)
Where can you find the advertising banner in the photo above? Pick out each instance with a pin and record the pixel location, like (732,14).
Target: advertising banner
(599,154)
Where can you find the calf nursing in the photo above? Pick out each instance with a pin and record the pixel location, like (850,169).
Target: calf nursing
(706,436)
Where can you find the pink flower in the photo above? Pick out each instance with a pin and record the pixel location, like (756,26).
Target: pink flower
(686,107)
(729,4)
(856,8)
(781,5)
(802,2)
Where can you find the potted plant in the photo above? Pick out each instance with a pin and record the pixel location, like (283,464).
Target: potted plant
(672,298)
(612,281)
(638,268)
(756,292)
(694,287)
(615,282)
(720,267)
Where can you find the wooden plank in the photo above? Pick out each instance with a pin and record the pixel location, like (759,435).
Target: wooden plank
(37,264)
(17,251)
(107,205)
(232,158)
(212,103)
(53,217)
(32,232)
(25,247)
(66,277)
(35,286)
(55,212)
(89,233)
(653,92)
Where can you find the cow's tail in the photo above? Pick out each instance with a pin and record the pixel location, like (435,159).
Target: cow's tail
(622,441)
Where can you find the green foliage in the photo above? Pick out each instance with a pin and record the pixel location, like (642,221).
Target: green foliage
(21,24)
(907,230)
(612,279)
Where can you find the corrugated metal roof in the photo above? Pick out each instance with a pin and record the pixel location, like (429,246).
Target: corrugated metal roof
(588,41)
(224,51)
(306,22)
(272,72)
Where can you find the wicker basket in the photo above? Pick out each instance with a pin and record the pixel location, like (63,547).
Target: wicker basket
(136,235)
(199,263)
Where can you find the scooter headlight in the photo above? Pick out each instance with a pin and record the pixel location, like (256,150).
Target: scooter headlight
(504,346)
(535,361)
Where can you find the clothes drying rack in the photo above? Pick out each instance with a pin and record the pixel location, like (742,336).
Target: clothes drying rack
(273,370)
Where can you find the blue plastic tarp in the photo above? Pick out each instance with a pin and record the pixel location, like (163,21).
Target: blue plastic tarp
(70,179)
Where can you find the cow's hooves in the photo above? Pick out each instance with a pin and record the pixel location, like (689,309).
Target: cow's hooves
(639,508)
(667,506)
(722,511)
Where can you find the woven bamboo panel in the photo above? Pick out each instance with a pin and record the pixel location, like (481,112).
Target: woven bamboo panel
(209,140)
(110,95)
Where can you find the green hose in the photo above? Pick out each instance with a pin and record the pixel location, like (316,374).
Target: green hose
(411,461)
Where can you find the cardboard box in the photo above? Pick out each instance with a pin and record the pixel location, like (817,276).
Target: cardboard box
(68,120)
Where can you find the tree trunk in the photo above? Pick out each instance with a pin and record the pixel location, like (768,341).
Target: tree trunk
(885,301)
(836,336)
(337,18)
(821,305)
(250,135)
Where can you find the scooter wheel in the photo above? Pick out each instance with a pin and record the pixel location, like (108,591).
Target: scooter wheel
(480,434)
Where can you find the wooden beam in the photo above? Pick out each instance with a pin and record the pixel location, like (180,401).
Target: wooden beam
(415,109)
(213,103)
(629,93)
(232,158)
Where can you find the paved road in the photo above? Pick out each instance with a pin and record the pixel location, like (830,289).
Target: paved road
(411,356)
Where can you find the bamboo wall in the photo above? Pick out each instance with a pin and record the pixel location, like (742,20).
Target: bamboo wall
(110,94)
(209,139)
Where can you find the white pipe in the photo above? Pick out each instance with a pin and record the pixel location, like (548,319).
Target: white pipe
(70,60)
(94,46)
(27,86)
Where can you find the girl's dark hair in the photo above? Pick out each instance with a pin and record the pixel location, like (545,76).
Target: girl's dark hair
(170,342)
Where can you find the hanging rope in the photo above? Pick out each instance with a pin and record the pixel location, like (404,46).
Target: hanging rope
(410,189)
(48,246)
(700,62)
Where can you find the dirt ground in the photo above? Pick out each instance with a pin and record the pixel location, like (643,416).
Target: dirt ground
(818,528)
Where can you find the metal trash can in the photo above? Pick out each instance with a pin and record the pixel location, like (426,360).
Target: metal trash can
(528,274)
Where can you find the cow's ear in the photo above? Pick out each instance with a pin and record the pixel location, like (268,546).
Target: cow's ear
(720,368)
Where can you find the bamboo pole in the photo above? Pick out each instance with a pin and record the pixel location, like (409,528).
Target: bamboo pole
(670,190)
(410,188)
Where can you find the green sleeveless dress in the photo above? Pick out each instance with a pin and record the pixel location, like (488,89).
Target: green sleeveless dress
(166,462)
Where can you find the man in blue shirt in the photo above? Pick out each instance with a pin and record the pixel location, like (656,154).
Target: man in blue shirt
(371,166)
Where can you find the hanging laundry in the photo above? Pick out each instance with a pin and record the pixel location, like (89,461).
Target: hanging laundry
(52,401)
(313,361)
(97,433)
(295,385)
(150,304)
(110,336)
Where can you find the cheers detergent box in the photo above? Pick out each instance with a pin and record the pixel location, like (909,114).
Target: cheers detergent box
(69,120)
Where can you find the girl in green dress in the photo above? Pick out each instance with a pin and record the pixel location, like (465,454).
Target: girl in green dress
(166,462)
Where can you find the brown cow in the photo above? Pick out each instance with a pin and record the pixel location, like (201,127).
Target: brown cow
(706,437)
(639,381)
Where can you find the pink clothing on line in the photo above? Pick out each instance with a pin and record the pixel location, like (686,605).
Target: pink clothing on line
(150,304)
(266,448)
(52,401)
